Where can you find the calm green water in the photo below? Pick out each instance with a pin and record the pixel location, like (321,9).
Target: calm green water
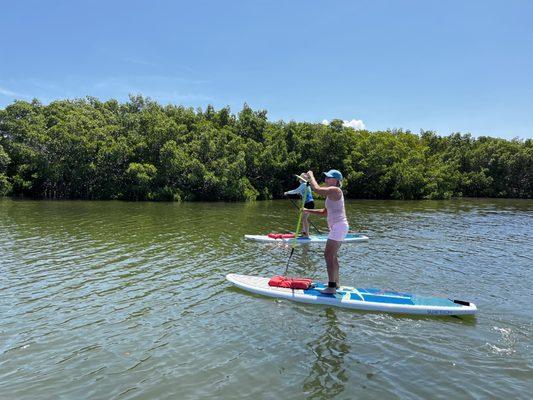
(114,300)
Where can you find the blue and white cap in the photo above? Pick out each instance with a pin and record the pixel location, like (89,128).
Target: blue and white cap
(333,173)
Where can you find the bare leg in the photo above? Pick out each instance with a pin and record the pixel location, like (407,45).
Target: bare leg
(305,223)
(332,263)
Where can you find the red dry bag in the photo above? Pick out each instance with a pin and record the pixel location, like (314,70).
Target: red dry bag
(291,283)
(281,235)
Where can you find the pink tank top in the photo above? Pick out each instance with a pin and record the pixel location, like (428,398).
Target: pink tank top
(336,211)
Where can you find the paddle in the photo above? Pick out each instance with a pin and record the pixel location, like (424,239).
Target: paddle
(313,225)
(294,241)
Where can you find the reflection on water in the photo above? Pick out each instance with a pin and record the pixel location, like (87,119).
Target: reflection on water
(328,375)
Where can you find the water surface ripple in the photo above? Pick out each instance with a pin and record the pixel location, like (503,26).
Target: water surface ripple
(115,300)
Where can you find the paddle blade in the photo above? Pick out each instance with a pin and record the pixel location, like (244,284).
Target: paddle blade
(300,178)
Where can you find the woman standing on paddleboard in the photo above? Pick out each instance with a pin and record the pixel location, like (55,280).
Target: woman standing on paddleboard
(309,202)
(337,222)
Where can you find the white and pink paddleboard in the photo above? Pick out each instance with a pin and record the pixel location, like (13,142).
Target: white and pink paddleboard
(321,238)
(360,299)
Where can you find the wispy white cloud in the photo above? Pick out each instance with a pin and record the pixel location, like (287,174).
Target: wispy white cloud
(150,63)
(158,87)
(356,124)
(164,89)
(48,86)
(10,93)
(139,61)
(145,81)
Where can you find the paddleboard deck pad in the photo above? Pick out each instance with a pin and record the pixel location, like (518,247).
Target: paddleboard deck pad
(359,299)
(322,238)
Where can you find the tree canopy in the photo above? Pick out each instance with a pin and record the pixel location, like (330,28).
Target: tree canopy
(141,150)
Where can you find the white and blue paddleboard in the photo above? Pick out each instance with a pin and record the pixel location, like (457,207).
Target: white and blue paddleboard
(360,299)
(322,238)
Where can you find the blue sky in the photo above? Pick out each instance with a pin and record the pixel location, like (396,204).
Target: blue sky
(448,66)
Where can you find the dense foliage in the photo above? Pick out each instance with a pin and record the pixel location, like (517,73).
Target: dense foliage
(140,150)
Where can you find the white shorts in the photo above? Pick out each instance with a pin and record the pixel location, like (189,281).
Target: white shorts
(338,231)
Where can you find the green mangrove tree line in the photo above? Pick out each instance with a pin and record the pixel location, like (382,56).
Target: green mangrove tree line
(141,150)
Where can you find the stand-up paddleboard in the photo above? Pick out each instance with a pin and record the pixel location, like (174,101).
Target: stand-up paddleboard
(322,238)
(360,299)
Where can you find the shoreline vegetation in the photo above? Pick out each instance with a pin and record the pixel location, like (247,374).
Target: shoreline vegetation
(141,150)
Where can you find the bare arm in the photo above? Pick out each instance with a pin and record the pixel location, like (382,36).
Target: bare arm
(334,193)
(299,190)
(320,211)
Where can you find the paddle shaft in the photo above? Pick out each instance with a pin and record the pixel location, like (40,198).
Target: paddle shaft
(294,241)
(313,225)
